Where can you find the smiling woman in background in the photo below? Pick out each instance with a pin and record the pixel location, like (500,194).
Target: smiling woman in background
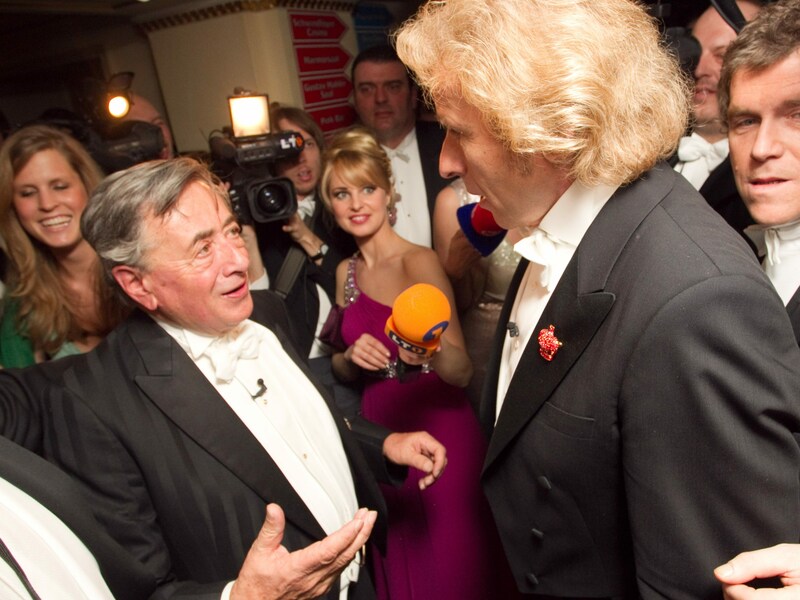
(57,302)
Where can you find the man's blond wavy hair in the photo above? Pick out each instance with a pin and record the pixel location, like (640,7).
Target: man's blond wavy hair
(586,83)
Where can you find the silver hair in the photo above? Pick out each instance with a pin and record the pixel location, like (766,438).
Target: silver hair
(113,222)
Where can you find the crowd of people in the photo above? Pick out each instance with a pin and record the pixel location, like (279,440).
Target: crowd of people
(193,407)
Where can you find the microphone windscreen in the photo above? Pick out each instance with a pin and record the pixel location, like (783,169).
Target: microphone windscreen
(420,315)
(483,221)
(480,228)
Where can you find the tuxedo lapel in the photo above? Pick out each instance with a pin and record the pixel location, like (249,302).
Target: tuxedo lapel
(576,318)
(577,308)
(720,185)
(793,308)
(179,389)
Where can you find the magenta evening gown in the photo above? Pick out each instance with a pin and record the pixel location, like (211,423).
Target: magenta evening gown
(442,544)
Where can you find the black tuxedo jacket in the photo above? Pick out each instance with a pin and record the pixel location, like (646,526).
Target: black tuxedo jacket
(721,193)
(169,470)
(53,489)
(793,308)
(658,442)
(430,137)
(302,301)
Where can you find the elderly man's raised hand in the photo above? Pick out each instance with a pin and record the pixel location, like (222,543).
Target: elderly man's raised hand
(781,561)
(271,572)
(420,450)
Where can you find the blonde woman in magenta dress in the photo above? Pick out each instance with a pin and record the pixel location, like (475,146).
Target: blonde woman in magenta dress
(442,544)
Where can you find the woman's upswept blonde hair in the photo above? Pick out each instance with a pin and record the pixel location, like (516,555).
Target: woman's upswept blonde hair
(587,83)
(358,159)
(44,313)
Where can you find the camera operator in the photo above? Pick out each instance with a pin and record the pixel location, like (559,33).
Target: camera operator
(311,241)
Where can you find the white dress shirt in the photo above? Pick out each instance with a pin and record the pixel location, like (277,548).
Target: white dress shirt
(288,416)
(413,217)
(780,247)
(57,563)
(698,157)
(549,247)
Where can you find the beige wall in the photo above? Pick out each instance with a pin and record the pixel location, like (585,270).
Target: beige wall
(199,64)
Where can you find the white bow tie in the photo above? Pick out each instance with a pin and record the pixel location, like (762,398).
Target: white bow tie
(694,148)
(305,207)
(398,154)
(541,249)
(225,352)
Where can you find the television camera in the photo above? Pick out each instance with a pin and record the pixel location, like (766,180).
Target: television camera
(114,144)
(244,156)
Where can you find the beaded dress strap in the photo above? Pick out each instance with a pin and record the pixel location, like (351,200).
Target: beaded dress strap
(351,290)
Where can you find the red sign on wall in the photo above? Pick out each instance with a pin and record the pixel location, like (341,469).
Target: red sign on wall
(315,27)
(334,117)
(321,64)
(314,59)
(332,88)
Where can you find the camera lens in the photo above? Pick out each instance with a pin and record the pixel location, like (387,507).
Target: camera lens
(270,199)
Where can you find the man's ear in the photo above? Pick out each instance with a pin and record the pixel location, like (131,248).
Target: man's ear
(133,282)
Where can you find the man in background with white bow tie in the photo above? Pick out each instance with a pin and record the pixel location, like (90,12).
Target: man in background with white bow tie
(703,155)
(191,417)
(644,384)
(385,99)
(760,102)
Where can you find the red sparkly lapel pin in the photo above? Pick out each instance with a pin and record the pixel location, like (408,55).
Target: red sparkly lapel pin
(549,343)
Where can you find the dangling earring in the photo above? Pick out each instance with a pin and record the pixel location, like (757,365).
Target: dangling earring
(391,208)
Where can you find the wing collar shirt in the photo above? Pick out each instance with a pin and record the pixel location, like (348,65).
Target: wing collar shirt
(286,413)
(413,217)
(780,247)
(549,248)
(698,157)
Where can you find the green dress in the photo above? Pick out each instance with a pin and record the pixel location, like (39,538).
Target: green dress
(16,349)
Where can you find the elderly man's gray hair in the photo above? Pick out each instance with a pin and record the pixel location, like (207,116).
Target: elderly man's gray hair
(113,219)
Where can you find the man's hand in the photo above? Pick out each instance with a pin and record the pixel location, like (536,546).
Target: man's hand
(419,450)
(297,229)
(781,561)
(270,572)
(461,256)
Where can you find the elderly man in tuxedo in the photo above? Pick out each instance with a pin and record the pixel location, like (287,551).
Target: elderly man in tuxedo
(198,411)
(644,384)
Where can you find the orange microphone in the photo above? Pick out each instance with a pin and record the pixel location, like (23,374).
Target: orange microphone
(420,315)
